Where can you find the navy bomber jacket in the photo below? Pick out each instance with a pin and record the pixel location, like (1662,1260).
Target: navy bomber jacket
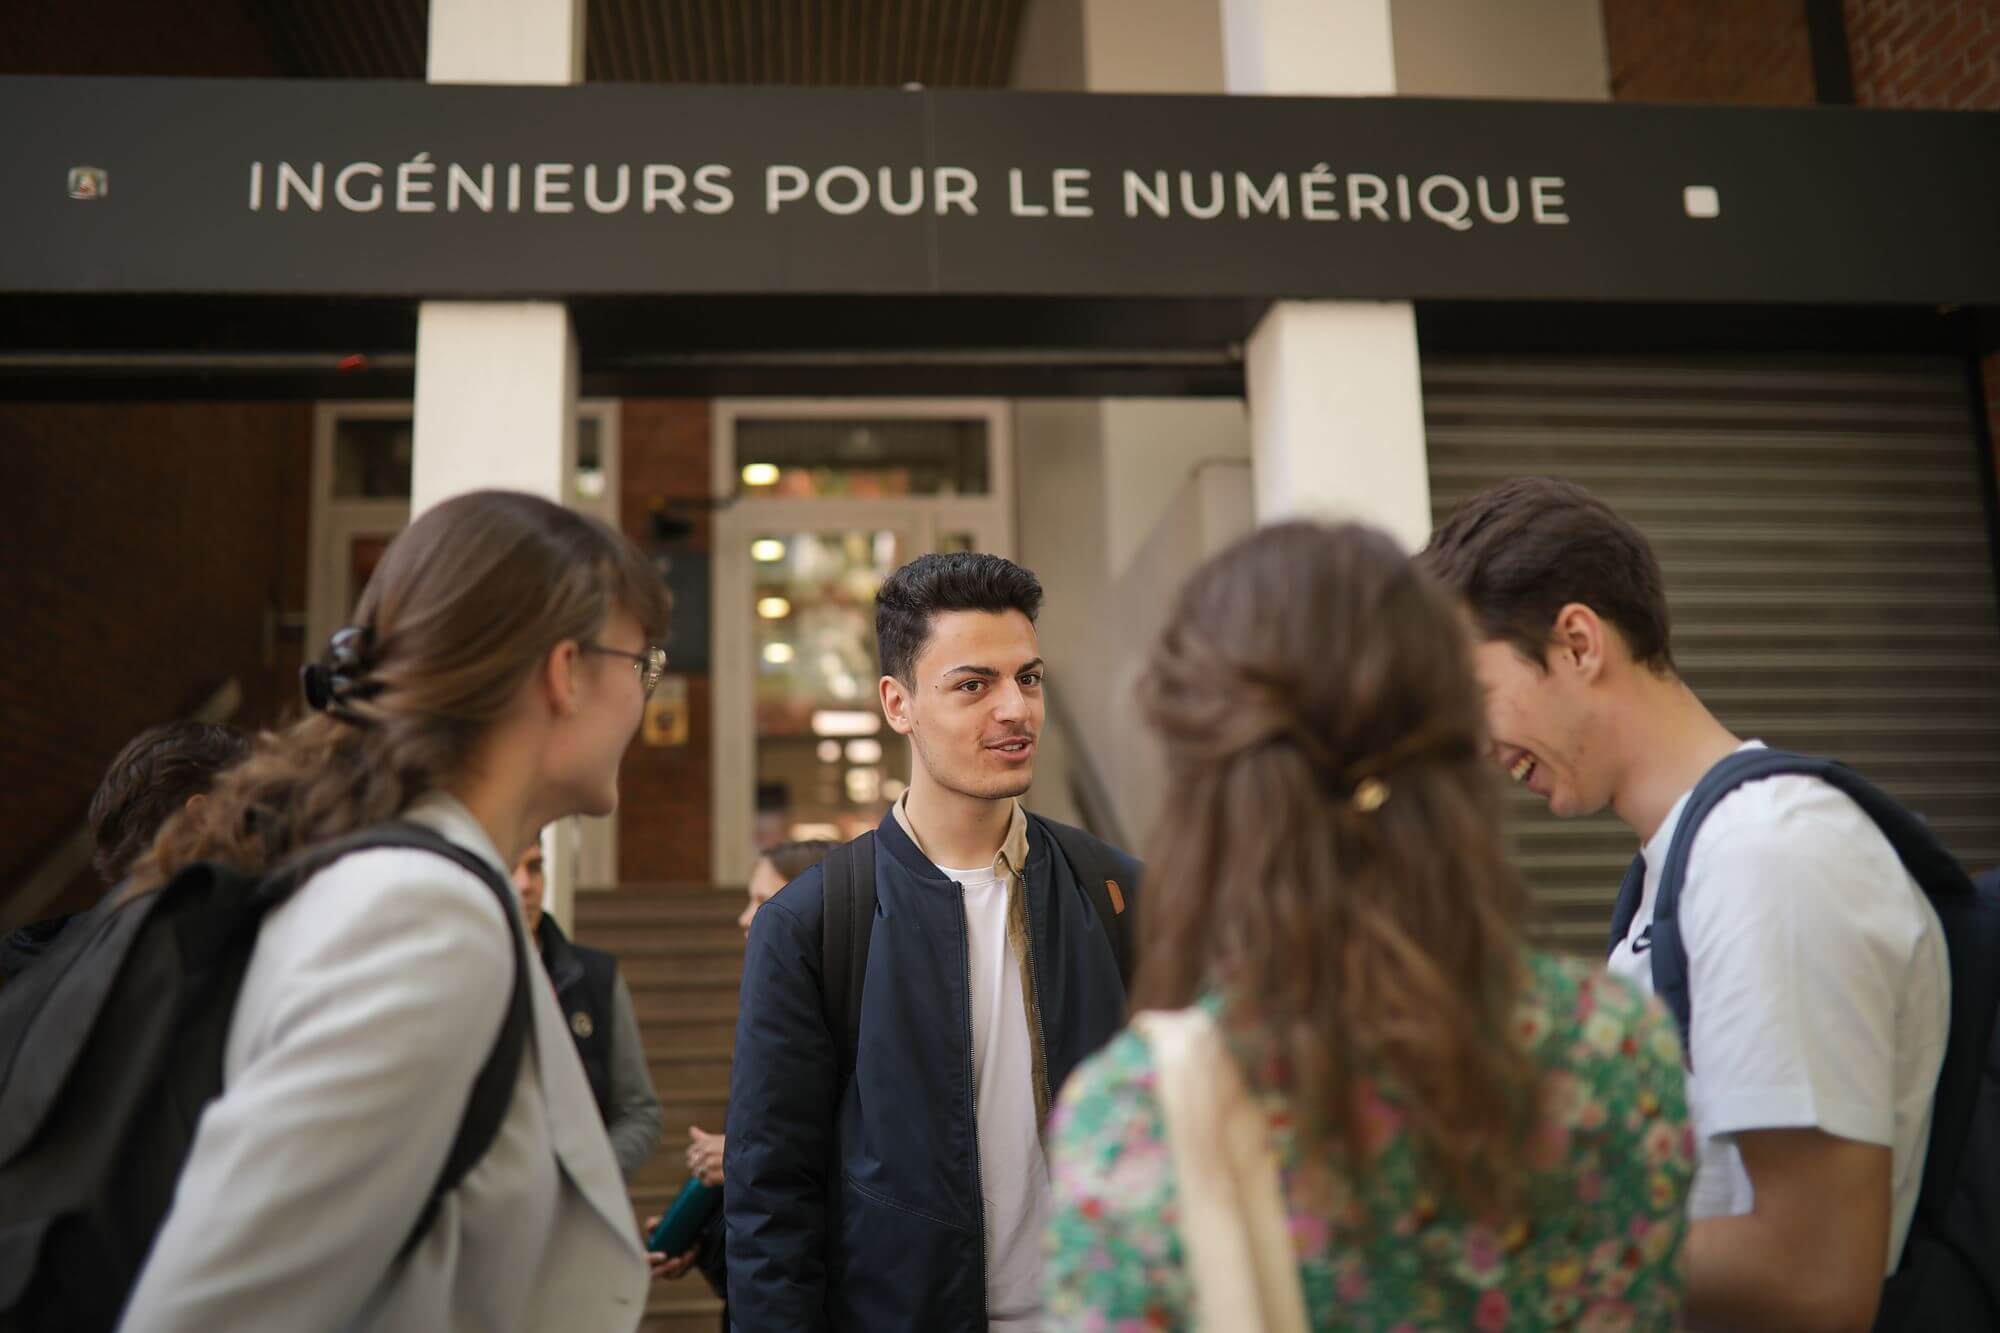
(859,1207)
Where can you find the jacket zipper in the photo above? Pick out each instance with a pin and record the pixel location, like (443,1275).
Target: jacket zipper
(972,1100)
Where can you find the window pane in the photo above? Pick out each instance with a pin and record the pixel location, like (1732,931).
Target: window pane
(803,459)
(371,459)
(588,482)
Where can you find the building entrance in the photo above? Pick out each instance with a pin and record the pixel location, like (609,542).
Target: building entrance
(829,498)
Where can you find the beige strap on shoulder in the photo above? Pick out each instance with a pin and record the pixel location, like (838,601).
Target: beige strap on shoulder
(1233,1223)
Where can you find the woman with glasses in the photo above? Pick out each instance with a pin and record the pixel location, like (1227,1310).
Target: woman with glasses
(495,673)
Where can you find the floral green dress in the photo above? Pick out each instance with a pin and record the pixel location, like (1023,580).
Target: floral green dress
(1610,1158)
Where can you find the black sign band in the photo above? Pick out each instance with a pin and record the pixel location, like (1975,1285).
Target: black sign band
(410,189)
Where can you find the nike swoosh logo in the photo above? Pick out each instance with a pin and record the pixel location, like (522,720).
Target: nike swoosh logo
(1642,942)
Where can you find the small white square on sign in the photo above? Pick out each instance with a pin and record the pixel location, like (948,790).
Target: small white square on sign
(1701,201)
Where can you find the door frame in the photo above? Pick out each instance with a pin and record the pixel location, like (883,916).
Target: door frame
(989,518)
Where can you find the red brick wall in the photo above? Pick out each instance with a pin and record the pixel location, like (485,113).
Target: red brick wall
(1754,52)
(216,39)
(140,545)
(1933,55)
(666,816)
(1925,53)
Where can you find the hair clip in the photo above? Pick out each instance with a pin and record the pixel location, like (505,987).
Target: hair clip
(1369,795)
(331,682)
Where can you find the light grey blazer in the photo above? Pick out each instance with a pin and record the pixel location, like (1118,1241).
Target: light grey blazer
(372,1000)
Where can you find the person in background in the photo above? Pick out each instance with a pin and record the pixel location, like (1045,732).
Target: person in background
(1818,976)
(777,867)
(1469,1132)
(160,771)
(598,1007)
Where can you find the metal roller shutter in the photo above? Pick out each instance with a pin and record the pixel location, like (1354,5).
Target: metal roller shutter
(1823,534)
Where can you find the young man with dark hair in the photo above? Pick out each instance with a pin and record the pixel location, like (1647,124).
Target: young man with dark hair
(1816,968)
(910,1004)
(159,771)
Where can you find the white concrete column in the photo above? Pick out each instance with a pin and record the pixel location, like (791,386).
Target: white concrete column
(1308,48)
(506,41)
(1334,388)
(496,381)
(496,400)
(1337,416)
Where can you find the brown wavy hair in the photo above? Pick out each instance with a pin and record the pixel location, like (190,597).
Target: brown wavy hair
(1306,671)
(792,859)
(157,773)
(465,605)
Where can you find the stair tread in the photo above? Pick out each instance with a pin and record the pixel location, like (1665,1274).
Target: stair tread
(680,952)
(725,913)
(686,1014)
(653,944)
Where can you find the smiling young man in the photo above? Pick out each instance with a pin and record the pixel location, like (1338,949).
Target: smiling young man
(910,1191)
(1816,967)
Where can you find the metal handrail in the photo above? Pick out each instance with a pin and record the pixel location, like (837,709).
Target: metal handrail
(1087,786)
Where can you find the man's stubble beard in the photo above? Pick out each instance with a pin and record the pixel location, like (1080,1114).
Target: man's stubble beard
(1011,788)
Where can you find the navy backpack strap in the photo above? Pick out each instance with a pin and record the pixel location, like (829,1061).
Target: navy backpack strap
(1670,970)
(1629,895)
(847,917)
(493,1088)
(1099,878)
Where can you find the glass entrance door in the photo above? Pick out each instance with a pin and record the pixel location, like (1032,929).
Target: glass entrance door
(829,498)
(825,763)
(825,766)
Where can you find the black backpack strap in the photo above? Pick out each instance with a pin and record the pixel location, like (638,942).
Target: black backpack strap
(1089,861)
(847,917)
(493,1088)
(1630,893)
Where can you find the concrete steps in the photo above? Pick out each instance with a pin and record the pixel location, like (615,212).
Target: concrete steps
(681,954)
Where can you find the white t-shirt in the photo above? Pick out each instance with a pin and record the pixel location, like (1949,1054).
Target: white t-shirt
(1011,1165)
(1818,979)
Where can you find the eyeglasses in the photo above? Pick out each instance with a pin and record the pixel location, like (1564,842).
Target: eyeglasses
(651,664)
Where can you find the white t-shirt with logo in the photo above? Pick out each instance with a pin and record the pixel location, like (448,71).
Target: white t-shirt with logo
(1011,1165)
(1818,979)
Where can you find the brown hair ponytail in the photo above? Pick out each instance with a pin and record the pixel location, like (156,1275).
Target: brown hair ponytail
(467,602)
(1329,856)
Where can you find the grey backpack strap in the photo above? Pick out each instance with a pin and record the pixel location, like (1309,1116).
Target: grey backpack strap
(847,916)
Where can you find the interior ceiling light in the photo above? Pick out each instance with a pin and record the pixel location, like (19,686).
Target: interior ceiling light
(838,722)
(777,654)
(760,474)
(767,550)
(773,608)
